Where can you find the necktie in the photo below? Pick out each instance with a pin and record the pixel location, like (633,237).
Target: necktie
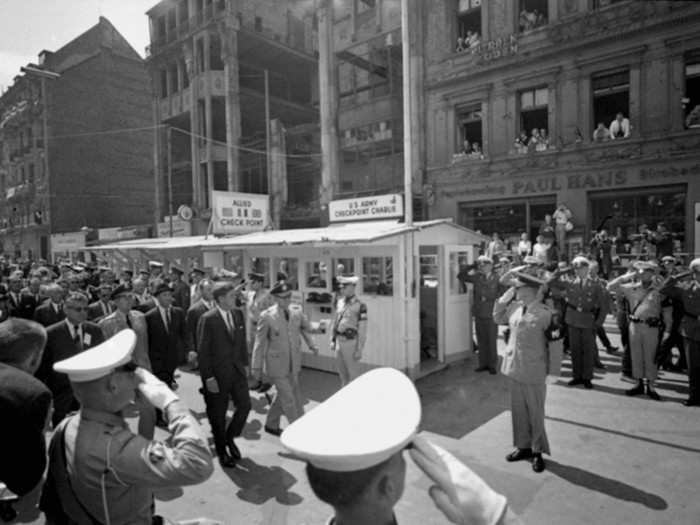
(229,321)
(167,318)
(286,315)
(76,336)
(128,321)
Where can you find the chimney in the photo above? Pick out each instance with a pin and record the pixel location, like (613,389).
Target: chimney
(43,56)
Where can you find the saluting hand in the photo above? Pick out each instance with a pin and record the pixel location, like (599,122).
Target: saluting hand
(154,390)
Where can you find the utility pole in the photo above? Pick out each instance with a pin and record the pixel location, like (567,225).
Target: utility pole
(407,127)
(170,178)
(268,165)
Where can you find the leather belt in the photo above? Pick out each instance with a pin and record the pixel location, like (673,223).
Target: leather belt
(652,322)
(579,309)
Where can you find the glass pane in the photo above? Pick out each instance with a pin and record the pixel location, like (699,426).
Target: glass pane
(316,274)
(378,275)
(233,262)
(342,266)
(526,99)
(541,97)
(457,261)
(262,265)
(429,271)
(287,269)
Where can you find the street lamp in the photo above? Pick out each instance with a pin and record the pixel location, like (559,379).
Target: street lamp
(44,75)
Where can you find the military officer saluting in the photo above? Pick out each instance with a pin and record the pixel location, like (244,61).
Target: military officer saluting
(349,330)
(688,292)
(486,290)
(585,310)
(101,472)
(644,323)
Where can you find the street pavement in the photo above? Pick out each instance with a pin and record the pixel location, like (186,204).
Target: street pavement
(615,460)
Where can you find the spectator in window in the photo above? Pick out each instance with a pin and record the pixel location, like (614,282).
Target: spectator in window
(534,140)
(460,44)
(466,147)
(693,118)
(544,139)
(663,239)
(620,127)
(540,18)
(601,133)
(476,151)
(472,39)
(524,246)
(527,20)
(521,143)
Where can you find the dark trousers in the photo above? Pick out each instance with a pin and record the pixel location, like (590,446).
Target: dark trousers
(674,340)
(582,345)
(623,325)
(692,351)
(236,390)
(63,404)
(487,339)
(600,332)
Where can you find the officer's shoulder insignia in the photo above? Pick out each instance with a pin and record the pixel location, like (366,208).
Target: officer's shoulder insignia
(156,452)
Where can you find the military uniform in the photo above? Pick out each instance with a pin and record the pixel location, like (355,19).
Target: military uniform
(688,292)
(349,336)
(585,310)
(256,304)
(525,363)
(644,325)
(486,290)
(277,354)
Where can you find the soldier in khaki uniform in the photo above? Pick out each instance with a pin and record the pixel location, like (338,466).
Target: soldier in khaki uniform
(644,323)
(689,293)
(486,290)
(99,471)
(277,354)
(586,308)
(349,330)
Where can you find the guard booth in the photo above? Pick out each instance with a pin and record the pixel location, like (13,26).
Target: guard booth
(417,327)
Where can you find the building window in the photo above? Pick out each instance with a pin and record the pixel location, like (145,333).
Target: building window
(364,5)
(31,174)
(691,101)
(470,131)
(316,274)
(216,63)
(534,115)
(172,78)
(533,14)
(163,83)
(627,215)
(599,4)
(258,24)
(199,46)
(30,138)
(378,275)
(611,95)
(468,24)
(161,30)
(185,74)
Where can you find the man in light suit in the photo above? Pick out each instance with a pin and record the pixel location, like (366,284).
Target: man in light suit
(121,319)
(223,359)
(277,354)
(66,339)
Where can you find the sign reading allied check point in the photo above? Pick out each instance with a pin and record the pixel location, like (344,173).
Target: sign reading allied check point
(363,208)
(239,212)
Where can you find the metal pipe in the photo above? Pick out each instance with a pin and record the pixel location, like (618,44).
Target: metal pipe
(170,178)
(268,171)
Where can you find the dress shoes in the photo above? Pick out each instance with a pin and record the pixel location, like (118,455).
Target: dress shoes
(481,368)
(575,381)
(611,350)
(636,391)
(519,454)
(537,462)
(274,431)
(233,450)
(226,461)
(653,394)
(690,403)
(587,384)
(492,371)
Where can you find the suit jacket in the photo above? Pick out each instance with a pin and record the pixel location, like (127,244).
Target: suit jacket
(277,349)
(14,304)
(24,407)
(196,311)
(166,347)
(96,312)
(29,303)
(59,346)
(46,316)
(221,352)
(687,293)
(181,295)
(116,322)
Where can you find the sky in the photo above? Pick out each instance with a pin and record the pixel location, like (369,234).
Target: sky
(29,26)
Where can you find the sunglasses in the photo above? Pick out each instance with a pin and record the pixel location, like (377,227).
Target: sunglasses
(131,366)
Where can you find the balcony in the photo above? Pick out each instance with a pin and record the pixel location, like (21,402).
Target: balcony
(20,193)
(185,27)
(176,104)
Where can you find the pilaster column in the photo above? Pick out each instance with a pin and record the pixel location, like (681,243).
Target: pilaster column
(229,54)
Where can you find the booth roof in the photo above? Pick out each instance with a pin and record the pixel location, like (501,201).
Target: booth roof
(355,232)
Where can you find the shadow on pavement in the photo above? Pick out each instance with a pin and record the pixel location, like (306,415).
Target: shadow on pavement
(252,430)
(258,484)
(168,494)
(259,404)
(610,487)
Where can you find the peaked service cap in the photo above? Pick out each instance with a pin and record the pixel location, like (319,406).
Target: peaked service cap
(100,360)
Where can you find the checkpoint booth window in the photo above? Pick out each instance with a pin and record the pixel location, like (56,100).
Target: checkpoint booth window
(233,262)
(342,266)
(317,274)
(261,265)
(289,267)
(378,275)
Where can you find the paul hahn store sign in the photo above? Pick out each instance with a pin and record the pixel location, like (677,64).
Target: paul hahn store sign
(239,212)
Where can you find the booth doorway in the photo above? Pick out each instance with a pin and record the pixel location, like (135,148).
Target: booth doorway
(428,295)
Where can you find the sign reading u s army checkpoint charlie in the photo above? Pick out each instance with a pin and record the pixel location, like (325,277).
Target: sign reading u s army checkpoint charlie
(375,207)
(239,212)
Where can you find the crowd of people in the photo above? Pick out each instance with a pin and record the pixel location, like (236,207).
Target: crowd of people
(83,347)
(619,129)
(550,305)
(537,141)
(469,41)
(531,19)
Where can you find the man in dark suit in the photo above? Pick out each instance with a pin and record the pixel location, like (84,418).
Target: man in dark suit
(196,311)
(51,311)
(223,358)
(30,298)
(181,291)
(167,335)
(103,306)
(14,285)
(66,339)
(24,405)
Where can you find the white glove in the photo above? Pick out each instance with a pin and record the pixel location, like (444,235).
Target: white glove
(508,296)
(154,390)
(462,496)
